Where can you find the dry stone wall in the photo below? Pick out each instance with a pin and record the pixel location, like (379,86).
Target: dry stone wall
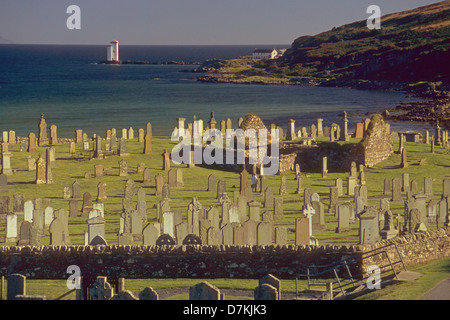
(241,262)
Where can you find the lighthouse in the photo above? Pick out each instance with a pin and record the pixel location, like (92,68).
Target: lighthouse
(112,51)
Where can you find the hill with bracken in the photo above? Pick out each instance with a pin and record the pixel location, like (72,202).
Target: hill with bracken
(410,46)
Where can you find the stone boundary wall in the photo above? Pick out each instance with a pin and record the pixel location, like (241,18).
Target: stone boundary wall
(241,262)
(418,248)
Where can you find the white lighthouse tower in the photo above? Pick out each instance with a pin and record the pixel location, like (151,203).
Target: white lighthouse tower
(112,51)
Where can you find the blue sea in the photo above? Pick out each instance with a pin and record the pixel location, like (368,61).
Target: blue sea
(74,91)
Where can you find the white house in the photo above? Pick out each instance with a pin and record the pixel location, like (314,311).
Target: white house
(265,54)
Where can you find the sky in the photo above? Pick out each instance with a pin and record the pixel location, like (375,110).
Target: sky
(183,22)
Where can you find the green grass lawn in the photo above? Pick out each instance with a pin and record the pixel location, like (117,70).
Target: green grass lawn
(53,289)
(73,168)
(433,273)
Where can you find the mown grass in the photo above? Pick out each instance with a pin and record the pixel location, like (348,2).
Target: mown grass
(70,169)
(433,273)
(73,168)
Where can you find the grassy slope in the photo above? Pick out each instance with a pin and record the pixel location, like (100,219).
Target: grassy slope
(352,51)
(433,273)
(70,169)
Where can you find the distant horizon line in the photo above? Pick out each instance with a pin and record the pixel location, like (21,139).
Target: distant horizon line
(156,45)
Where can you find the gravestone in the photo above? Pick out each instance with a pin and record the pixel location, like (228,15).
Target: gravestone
(238,235)
(159,183)
(405,182)
(76,190)
(283,185)
(344,211)
(172,178)
(101,289)
(214,236)
(318,219)
(5,204)
(307,196)
(265,292)
(150,234)
(101,192)
(195,213)
(254,211)
(181,232)
(96,228)
(98,171)
(211,183)
(179,178)
(16,286)
(73,208)
(221,188)
(87,203)
(204,291)
(166,192)
(204,226)
(11,227)
(272,281)
(368,228)
(56,233)
(3,183)
(41,171)
(351,184)
(264,234)
(428,186)
(396,189)
(281,236)
(268,198)
(146,175)
(299,189)
(446,188)
(18,203)
(302,235)
(334,199)
(242,206)
(28,209)
(250,232)
(123,168)
(278,208)
(148,294)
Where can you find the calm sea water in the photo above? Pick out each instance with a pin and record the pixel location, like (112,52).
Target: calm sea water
(73,91)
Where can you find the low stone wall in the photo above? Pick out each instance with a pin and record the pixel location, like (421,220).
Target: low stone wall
(414,249)
(242,262)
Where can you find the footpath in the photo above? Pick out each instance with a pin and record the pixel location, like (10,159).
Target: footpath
(440,292)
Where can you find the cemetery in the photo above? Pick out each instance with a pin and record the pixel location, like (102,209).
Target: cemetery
(116,205)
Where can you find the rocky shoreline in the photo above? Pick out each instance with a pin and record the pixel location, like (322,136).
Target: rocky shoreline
(434,104)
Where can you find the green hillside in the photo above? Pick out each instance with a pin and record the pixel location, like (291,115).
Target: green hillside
(411,46)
